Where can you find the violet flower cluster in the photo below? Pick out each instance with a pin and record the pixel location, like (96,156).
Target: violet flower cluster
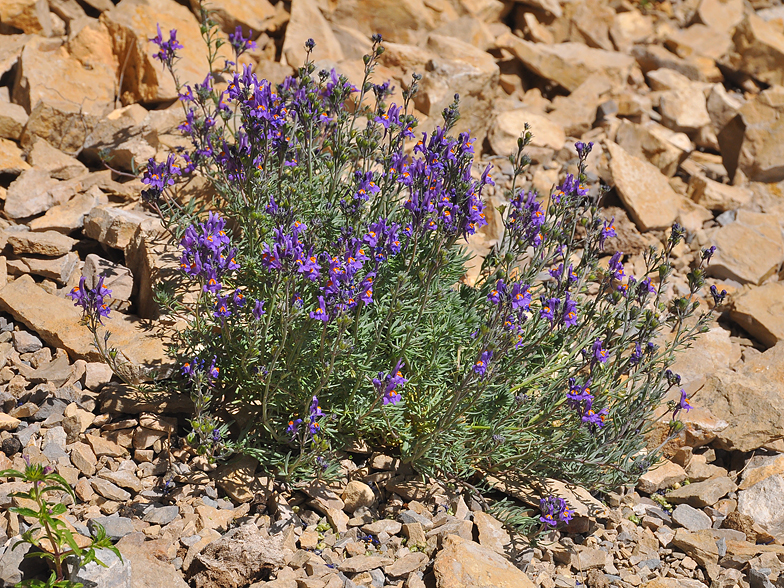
(554,510)
(93,301)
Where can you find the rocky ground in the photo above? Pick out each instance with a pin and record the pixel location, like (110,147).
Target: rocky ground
(685,104)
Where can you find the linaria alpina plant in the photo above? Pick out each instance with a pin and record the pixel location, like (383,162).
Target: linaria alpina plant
(332,308)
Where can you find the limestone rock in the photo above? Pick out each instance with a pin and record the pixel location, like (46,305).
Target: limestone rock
(509,126)
(753,141)
(576,113)
(117,278)
(569,64)
(720,15)
(764,502)
(700,69)
(661,476)
(307,22)
(629,28)
(13,118)
(147,570)
(47,72)
(760,311)
(69,217)
(759,50)
(492,534)
(29,16)
(654,143)
(398,22)
(690,518)
(684,110)
(11,161)
(59,269)
(453,66)
(238,558)
(53,161)
(30,194)
(701,494)
(717,196)
(62,123)
(749,250)
(60,327)
(465,564)
(749,402)
(712,351)
(131,23)
(237,477)
(113,227)
(49,243)
(114,573)
(722,106)
(357,494)
(644,190)
(700,546)
(125,134)
(698,40)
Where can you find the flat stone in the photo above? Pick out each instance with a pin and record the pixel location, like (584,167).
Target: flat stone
(701,494)
(29,16)
(13,119)
(716,196)
(673,583)
(753,140)
(643,189)
(61,327)
(59,269)
(691,518)
(69,217)
(109,490)
(25,342)
(568,64)
(101,446)
(509,125)
(407,564)
(162,515)
(123,479)
(492,534)
(466,564)
(148,571)
(764,502)
(236,478)
(759,50)
(215,518)
(307,22)
(113,227)
(8,423)
(363,563)
(116,527)
(56,163)
(11,160)
(48,243)
(749,250)
(29,194)
(759,311)
(662,476)
(720,15)
(700,546)
(82,457)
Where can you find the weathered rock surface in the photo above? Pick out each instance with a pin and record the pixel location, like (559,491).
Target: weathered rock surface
(760,311)
(464,564)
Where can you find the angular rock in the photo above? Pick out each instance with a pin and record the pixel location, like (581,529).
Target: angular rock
(11,161)
(61,328)
(759,50)
(126,135)
(101,446)
(699,69)
(509,125)
(62,123)
(674,583)
(53,161)
(30,194)
(117,278)
(722,106)
(568,64)
(576,113)
(644,190)
(654,143)
(363,563)
(148,571)
(162,515)
(8,423)
(13,118)
(716,196)
(749,250)
(492,534)
(131,23)
(48,243)
(229,14)
(47,72)
(760,311)
(753,141)
(664,475)
(307,22)
(25,342)
(406,565)
(123,479)
(465,564)
(109,491)
(237,477)
(238,558)
(83,457)
(690,518)
(116,527)
(713,351)
(764,502)
(69,217)
(29,16)
(700,546)
(59,269)
(701,494)
(684,110)
(721,15)
(113,227)
(398,22)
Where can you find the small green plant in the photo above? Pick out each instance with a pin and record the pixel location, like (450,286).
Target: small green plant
(50,537)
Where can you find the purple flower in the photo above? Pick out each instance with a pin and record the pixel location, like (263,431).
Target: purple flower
(293,427)
(616,267)
(578,394)
(683,404)
(239,43)
(592,418)
(91,300)
(549,308)
(495,294)
(599,352)
(238,299)
(366,288)
(258,310)
(387,384)
(608,231)
(166,49)
(708,253)
(554,510)
(636,355)
(214,370)
(718,297)
(320,314)
(480,367)
(569,312)
(314,413)
(521,297)
(222,309)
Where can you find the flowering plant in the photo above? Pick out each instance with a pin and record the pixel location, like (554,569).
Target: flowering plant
(334,277)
